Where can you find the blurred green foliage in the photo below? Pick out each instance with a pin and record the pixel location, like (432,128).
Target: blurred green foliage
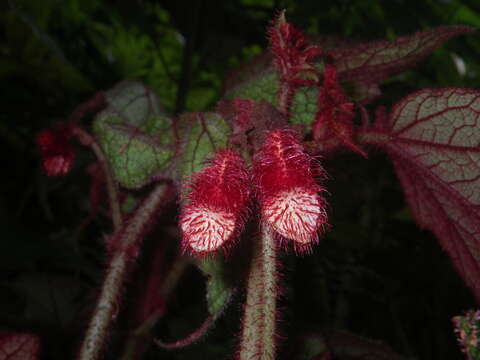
(375,273)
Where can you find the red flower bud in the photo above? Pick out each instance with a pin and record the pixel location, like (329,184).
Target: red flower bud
(217,203)
(56,151)
(293,56)
(333,121)
(288,193)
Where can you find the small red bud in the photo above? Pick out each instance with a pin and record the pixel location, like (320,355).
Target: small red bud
(217,203)
(288,193)
(56,151)
(293,56)
(333,121)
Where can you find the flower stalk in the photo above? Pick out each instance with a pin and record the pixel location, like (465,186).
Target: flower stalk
(112,187)
(107,306)
(260,314)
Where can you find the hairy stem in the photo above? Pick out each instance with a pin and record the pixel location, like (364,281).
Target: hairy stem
(259,319)
(284,97)
(109,301)
(112,188)
(191,338)
(372,137)
(95,104)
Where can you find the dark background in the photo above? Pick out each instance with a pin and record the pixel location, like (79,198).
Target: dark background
(374,274)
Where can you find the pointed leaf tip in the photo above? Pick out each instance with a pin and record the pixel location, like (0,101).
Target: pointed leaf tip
(293,55)
(373,62)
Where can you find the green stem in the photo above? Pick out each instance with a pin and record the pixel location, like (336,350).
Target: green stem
(259,319)
(109,301)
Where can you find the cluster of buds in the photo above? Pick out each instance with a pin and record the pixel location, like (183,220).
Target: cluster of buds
(468,334)
(293,55)
(283,180)
(56,151)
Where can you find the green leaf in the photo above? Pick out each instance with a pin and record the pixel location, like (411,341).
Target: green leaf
(465,15)
(219,290)
(30,44)
(264,86)
(130,51)
(201,135)
(137,138)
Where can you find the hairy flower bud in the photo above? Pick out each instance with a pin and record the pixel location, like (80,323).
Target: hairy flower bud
(56,151)
(288,193)
(217,203)
(293,55)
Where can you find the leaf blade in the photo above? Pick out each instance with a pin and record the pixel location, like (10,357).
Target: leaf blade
(19,346)
(137,138)
(377,60)
(434,146)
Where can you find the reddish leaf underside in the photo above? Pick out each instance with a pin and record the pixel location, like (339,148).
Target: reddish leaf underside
(375,61)
(435,138)
(15,346)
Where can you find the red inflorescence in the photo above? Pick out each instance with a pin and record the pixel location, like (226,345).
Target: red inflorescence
(217,198)
(56,151)
(334,119)
(334,105)
(294,56)
(287,189)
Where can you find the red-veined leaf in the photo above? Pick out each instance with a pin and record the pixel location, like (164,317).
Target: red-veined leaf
(16,346)
(137,137)
(366,63)
(434,145)
(373,62)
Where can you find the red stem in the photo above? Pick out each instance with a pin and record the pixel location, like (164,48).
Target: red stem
(112,188)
